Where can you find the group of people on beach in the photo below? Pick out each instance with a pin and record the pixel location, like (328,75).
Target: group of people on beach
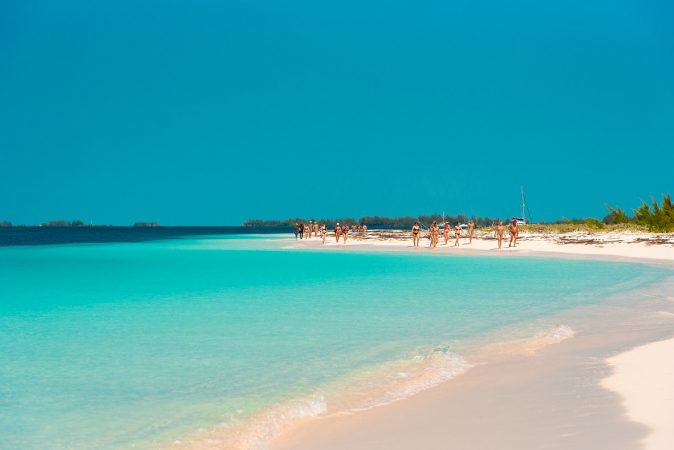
(312,228)
(500,232)
(306,230)
(447,229)
(434,233)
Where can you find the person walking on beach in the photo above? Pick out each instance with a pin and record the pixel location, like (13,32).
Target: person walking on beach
(416,231)
(457,233)
(296,229)
(301,231)
(315,228)
(500,230)
(514,232)
(309,229)
(345,232)
(445,231)
(324,232)
(435,234)
(364,229)
(338,232)
(471,228)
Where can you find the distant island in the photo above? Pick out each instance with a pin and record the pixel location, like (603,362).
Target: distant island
(63,223)
(74,224)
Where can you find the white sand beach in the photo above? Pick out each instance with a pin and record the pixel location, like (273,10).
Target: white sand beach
(609,386)
(628,245)
(644,377)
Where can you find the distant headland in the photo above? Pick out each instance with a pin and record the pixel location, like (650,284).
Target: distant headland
(74,224)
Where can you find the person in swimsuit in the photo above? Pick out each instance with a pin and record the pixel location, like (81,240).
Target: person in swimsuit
(296,230)
(514,232)
(345,232)
(301,231)
(445,231)
(338,231)
(435,234)
(500,231)
(324,232)
(457,234)
(471,228)
(364,229)
(416,232)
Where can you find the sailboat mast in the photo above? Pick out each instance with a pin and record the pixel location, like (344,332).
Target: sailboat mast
(522,191)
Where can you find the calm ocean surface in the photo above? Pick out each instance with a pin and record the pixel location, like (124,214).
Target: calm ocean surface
(170,342)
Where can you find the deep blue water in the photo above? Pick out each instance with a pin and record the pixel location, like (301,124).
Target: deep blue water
(72,235)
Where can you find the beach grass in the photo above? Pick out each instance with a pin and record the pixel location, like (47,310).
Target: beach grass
(576,227)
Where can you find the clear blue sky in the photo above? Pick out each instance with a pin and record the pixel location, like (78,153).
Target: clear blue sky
(211,112)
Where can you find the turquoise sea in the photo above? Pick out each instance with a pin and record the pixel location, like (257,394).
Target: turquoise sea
(226,338)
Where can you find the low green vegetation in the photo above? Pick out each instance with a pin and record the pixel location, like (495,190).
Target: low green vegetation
(581,225)
(656,217)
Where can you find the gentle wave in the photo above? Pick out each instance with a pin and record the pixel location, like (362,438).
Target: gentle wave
(426,371)
(255,432)
(378,386)
(528,346)
(374,387)
(558,334)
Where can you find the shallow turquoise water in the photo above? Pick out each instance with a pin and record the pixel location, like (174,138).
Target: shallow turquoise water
(120,345)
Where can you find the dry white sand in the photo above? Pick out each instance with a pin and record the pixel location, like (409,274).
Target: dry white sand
(632,245)
(644,378)
(565,397)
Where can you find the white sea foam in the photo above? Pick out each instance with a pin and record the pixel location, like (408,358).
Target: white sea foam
(526,346)
(256,431)
(380,386)
(533,345)
(431,370)
(271,423)
(557,334)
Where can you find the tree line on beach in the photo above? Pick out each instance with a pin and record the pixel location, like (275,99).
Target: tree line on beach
(379,222)
(654,216)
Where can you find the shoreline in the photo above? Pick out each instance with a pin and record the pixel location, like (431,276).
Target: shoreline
(523,401)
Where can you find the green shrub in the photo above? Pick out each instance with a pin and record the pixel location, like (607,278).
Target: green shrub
(659,218)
